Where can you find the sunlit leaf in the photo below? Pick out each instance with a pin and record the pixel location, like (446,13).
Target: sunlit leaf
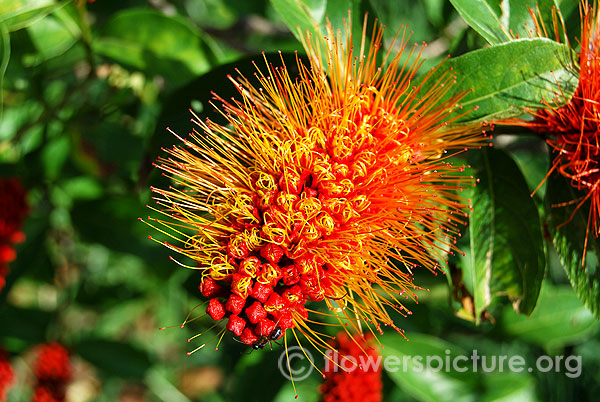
(503,80)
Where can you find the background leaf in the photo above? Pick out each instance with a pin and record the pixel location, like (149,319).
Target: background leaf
(506,245)
(149,40)
(560,319)
(569,240)
(499,22)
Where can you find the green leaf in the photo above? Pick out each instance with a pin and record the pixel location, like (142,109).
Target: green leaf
(51,37)
(506,243)
(149,40)
(303,16)
(501,386)
(115,358)
(19,14)
(300,16)
(568,230)
(499,22)
(415,378)
(505,79)
(54,155)
(395,15)
(484,17)
(560,319)
(5,41)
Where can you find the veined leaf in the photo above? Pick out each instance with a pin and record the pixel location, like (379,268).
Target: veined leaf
(505,79)
(500,22)
(568,229)
(506,244)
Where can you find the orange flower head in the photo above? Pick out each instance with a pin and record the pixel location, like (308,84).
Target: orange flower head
(353,371)
(328,187)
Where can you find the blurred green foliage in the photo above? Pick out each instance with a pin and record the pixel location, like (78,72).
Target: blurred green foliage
(87,90)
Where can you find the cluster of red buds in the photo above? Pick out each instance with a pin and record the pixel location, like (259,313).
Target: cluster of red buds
(53,373)
(6,374)
(261,287)
(13,209)
(346,377)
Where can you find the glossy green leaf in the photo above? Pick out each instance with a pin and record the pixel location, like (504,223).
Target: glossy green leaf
(503,80)
(149,40)
(560,319)
(484,17)
(500,22)
(406,366)
(506,243)
(396,15)
(19,14)
(51,37)
(301,16)
(568,230)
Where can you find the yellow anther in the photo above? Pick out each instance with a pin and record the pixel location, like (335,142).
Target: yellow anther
(310,206)
(310,232)
(268,275)
(326,223)
(361,203)
(250,267)
(286,200)
(243,286)
(266,182)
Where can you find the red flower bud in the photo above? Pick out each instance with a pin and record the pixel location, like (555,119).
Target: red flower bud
(264,327)
(235,304)
(210,288)
(275,302)
(290,275)
(261,292)
(236,324)
(248,336)
(256,312)
(285,320)
(215,309)
(272,252)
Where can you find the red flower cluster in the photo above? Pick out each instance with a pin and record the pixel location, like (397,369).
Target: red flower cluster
(6,374)
(53,373)
(13,209)
(346,378)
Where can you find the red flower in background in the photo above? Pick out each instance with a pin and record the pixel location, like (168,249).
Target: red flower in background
(6,374)
(53,373)
(348,375)
(13,210)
